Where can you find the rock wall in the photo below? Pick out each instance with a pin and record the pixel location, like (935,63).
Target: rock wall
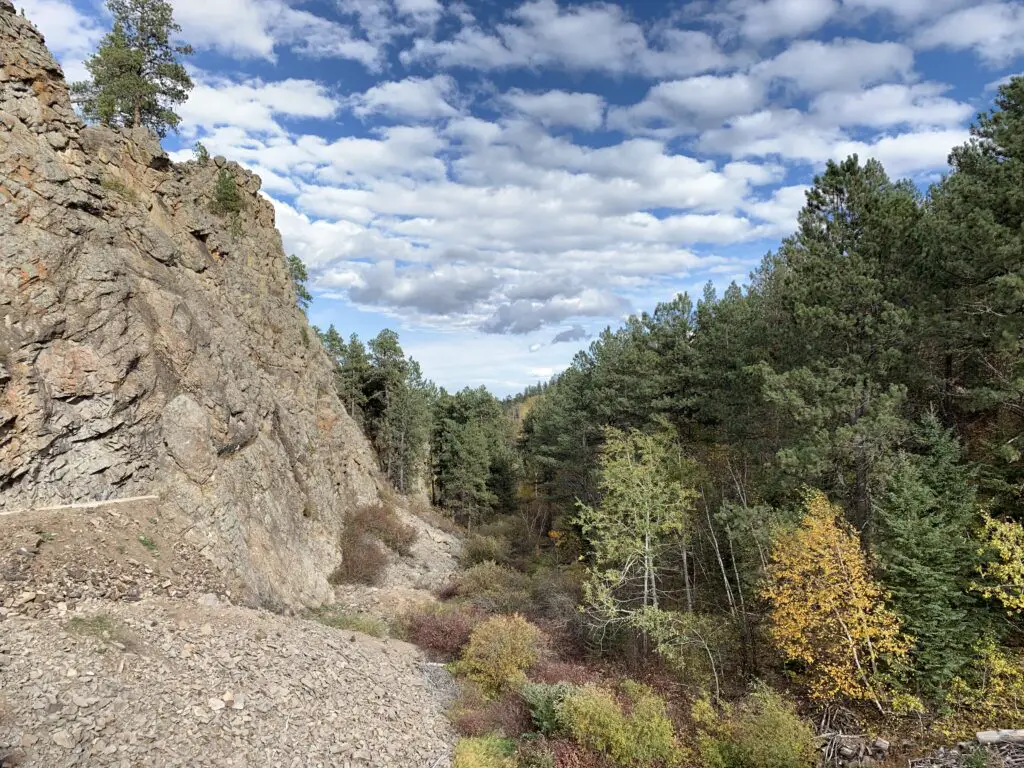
(149,346)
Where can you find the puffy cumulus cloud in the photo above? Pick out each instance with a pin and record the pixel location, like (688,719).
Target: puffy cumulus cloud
(576,333)
(685,106)
(415,98)
(558,108)
(253,105)
(794,136)
(256,28)
(811,66)
(765,20)
(70,35)
(596,37)
(918,105)
(993,31)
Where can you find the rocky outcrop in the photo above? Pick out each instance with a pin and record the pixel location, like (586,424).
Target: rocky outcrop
(150,346)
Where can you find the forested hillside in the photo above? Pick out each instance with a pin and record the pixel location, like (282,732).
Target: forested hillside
(858,404)
(813,481)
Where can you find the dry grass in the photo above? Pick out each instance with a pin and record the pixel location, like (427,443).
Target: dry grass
(354,622)
(105,629)
(363,560)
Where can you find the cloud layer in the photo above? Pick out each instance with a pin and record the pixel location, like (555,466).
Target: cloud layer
(547,167)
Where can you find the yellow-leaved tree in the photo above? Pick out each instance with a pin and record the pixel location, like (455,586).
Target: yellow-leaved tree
(1002,570)
(826,612)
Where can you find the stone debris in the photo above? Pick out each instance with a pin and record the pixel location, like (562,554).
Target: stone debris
(259,689)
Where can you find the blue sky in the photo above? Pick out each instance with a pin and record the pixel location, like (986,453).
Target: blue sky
(499,181)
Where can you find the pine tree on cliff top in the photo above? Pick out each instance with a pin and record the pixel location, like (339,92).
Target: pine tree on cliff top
(137,78)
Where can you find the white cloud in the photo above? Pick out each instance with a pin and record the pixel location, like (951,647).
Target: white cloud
(764,20)
(919,105)
(810,66)
(683,106)
(414,98)
(423,11)
(253,105)
(255,28)
(596,37)
(904,10)
(994,31)
(551,108)
(70,35)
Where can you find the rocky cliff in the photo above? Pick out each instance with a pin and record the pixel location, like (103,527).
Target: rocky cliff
(151,347)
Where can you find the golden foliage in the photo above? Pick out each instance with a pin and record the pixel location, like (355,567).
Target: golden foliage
(826,612)
(1003,570)
(991,692)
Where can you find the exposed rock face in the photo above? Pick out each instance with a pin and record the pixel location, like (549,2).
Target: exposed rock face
(148,346)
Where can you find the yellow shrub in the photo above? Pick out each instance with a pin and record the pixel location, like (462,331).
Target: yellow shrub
(992,693)
(500,651)
(485,752)
(763,731)
(644,737)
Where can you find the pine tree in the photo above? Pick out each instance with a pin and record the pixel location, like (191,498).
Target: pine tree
(137,78)
(299,275)
(926,554)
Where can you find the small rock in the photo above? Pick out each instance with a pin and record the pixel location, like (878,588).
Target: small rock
(29,739)
(63,739)
(881,745)
(209,600)
(216,704)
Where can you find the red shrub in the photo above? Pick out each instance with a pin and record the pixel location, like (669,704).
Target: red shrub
(363,560)
(507,716)
(442,630)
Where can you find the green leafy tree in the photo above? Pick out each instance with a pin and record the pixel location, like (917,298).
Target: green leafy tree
(299,275)
(635,532)
(201,153)
(136,76)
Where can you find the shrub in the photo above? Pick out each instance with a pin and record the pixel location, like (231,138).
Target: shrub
(363,560)
(383,523)
(644,737)
(763,731)
(201,153)
(500,651)
(443,630)
(484,752)
(493,588)
(226,198)
(536,753)
(543,701)
(476,715)
(481,549)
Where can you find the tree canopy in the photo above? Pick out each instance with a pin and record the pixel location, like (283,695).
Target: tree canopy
(137,78)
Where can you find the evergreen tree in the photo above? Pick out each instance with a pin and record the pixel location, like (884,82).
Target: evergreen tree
(973,268)
(926,554)
(299,275)
(137,78)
